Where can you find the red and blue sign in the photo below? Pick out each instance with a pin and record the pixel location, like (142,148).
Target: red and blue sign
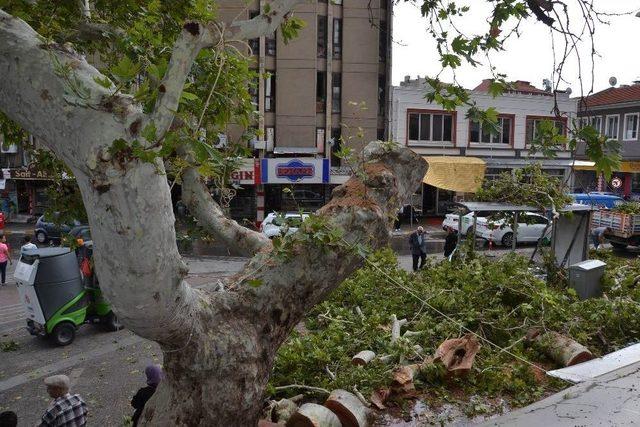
(294,170)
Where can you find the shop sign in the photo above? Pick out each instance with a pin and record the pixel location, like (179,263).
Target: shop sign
(294,171)
(245,174)
(616,182)
(29,174)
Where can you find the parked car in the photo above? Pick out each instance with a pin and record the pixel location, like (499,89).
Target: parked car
(451,220)
(46,231)
(499,232)
(598,199)
(280,224)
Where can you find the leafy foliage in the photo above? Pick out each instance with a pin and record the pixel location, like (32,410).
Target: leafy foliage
(526,186)
(500,300)
(631,208)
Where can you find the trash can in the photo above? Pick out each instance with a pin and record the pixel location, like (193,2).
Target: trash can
(585,277)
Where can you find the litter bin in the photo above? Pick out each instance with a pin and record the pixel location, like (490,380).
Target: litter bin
(585,278)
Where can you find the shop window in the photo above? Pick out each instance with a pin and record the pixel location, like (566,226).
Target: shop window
(322,36)
(336,93)
(430,127)
(321,92)
(337,38)
(270,92)
(480,133)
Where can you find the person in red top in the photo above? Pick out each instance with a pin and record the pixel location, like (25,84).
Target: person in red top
(5,257)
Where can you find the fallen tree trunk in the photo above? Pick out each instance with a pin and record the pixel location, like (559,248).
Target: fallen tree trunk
(562,349)
(348,408)
(314,415)
(363,357)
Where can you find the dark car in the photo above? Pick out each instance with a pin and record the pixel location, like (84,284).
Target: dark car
(46,231)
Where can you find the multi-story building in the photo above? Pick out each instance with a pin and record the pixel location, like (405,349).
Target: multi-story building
(328,84)
(614,112)
(460,152)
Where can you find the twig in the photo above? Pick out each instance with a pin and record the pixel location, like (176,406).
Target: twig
(303,387)
(360,397)
(328,371)
(395,327)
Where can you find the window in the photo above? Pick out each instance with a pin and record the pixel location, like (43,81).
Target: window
(494,173)
(430,127)
(320,140)
(271,138)
(481,134)
(336,144)
(254,44)
(337,38)
(596,123)
(382,42)
(336,93)
(321,92)
(631,127)
(382,90)
(322,36)
(611,128)
(534,123)
(270,92)
(270,46)
(254,92)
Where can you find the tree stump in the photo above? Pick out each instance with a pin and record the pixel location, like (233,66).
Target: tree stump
(457,355)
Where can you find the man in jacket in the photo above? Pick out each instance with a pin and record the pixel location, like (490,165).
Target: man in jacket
(418,245)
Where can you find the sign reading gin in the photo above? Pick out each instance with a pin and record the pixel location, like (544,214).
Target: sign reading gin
(294,171)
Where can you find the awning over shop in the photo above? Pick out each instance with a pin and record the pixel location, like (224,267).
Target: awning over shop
(633,167)
(460,173)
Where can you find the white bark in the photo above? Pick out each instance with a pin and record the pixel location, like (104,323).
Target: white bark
(218,347)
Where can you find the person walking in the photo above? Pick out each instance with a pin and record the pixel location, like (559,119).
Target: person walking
(450,242)
(154,376)
(5,257)
(27,246)
(418,245)
(597,235)
(66,410)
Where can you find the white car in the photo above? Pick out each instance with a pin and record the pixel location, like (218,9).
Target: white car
(276,224)
(451,220)
(531,231)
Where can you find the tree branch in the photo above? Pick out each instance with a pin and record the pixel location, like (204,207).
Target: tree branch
(195,37)
(210,216)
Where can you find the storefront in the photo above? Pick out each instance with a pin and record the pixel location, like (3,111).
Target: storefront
(291,184)
(24,192)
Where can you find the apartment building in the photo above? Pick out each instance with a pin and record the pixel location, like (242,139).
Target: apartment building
(614,112)
(460,152)
(330,84)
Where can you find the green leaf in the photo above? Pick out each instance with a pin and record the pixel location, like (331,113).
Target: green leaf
(125,70)
(254,283)
(103,81)
(149,132)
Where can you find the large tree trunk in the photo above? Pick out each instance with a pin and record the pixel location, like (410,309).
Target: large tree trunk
(219,344)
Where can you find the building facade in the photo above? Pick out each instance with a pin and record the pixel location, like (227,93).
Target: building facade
(433,132)
(615,113)
(329,84)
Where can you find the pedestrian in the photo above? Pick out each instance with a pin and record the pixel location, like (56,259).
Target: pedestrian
(450,242)
(8,419)
(27,246)
(154,376)
(66,410)
(5,257)
(597,235)
(418,245)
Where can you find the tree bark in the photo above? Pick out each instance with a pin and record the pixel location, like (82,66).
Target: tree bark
(219,346)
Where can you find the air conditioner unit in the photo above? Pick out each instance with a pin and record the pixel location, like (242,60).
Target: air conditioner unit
(222,141)
(13,148)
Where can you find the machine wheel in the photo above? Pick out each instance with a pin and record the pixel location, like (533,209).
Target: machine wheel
(619,246)
(507,239)
(111,323)
(63,333)
(41,237)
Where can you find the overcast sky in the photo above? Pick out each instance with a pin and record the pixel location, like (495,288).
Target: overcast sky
(527,58)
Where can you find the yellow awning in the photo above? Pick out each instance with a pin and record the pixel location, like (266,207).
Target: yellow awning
(455,173)
(633,167)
